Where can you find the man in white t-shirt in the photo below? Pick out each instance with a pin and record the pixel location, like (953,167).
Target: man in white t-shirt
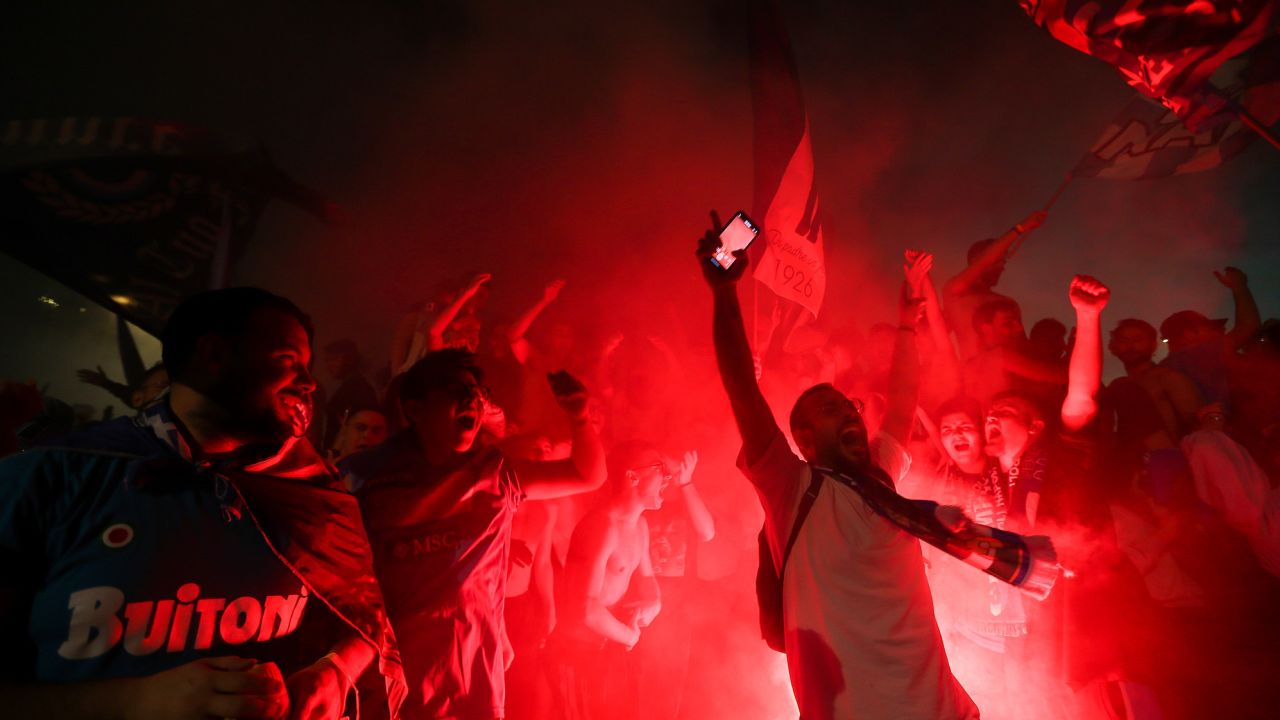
(860,633)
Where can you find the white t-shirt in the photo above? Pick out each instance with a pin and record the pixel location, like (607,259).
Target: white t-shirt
(861,638)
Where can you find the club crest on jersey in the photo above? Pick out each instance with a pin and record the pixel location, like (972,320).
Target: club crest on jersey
(101,620)
(117,535)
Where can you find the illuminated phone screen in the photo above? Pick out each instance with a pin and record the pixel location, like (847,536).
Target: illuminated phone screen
(737,235)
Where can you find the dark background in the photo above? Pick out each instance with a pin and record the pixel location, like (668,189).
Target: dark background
(587,140)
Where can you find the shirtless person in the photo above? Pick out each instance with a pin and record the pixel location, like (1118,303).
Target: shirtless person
(610,591)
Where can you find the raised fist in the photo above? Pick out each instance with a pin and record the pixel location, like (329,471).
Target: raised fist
(1088,294)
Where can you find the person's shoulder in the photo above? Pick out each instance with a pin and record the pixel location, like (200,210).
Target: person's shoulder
(121,438)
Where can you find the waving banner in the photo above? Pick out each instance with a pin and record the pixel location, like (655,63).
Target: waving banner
(792,265)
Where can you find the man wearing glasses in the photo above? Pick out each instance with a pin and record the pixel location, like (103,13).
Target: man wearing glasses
(610,593)
(857,616)
(438,507)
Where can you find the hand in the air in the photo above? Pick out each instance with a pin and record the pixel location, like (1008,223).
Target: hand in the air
(1032,221)
(552,290)
(1088,295)
(570,393)
(1232,277)
(93,377)
(707,246)
(476,281)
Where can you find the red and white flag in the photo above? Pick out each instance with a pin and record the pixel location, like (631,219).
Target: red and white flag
(786,195)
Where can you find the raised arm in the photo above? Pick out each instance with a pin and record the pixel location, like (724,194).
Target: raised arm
(904,369)
(1033,368)
(733,351)
(992,255)
(1248,319)
(515,335)
(98,378)
(946,363)
(1084,375)
(447,314)
(585,469)
(704,526)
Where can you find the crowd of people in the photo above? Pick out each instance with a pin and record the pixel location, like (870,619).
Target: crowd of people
(510,518)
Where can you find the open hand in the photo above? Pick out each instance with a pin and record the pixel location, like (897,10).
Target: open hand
(916,267)
(1232,277)
(687,465)
(93,377)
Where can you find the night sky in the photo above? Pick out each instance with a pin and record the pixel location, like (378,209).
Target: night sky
(587,140)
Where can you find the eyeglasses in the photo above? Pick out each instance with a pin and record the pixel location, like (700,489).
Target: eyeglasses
(661,467)
(840,406)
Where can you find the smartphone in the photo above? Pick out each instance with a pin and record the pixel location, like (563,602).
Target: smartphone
(736,235)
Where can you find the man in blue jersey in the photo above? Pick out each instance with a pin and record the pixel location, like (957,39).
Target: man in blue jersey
(183,563)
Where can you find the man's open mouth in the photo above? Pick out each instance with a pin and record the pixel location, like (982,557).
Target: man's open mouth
(299,410)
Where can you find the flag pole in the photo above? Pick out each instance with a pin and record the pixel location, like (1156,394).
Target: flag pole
(1058,193)
(1052,199)
(1253,124)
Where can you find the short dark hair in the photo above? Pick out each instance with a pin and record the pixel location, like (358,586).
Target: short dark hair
(794,420)
(959,404)
(1033,409)
(435,369)
(986,312)
(1147,328)
(623,457)
(226,312)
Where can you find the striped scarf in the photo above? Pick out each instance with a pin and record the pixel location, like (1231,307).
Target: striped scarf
(1029,563)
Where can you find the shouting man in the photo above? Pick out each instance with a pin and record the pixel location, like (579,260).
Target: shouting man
(858,620)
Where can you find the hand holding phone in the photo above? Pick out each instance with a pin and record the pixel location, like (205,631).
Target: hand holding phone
(737,235)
